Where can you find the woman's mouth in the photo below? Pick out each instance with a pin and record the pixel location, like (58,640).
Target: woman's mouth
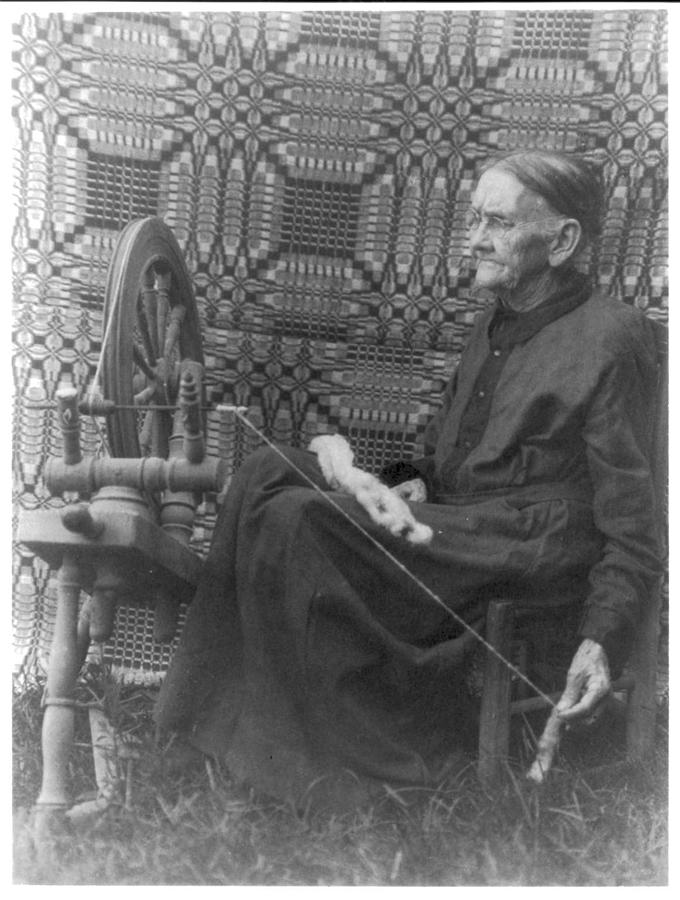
(491,262)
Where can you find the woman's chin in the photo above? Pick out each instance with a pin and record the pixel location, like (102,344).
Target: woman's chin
(490,281)
(489,274)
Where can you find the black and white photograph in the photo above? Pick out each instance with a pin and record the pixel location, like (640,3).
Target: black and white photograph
(339,361)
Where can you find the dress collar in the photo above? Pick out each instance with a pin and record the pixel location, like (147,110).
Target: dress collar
(508,327)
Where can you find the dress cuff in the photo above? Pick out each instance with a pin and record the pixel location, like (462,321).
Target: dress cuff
(400,471)
(612,631)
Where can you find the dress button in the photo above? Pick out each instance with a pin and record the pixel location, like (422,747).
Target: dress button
(482,394)
(496,352)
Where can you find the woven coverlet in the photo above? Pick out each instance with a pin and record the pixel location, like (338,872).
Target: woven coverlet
(315,168)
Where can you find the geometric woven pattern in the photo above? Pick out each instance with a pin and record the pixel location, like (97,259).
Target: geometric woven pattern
(315,168)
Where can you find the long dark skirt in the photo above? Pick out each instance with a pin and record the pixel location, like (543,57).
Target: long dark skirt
(314,667)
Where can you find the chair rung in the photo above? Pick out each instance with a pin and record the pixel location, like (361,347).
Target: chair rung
(625,683)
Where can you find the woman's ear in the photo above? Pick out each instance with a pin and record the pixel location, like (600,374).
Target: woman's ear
(565,242)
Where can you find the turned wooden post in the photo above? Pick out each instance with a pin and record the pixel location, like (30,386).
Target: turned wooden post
(494,716)
(178,508)
(69,423)
(63,666)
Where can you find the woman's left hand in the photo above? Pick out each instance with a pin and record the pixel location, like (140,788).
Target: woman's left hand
(588,682)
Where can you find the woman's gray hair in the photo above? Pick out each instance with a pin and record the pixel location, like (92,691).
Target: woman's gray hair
(571,185)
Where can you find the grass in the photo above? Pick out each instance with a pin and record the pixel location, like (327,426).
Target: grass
(586,826)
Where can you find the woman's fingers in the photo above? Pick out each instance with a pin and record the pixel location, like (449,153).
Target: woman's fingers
(388,510)
(385,507)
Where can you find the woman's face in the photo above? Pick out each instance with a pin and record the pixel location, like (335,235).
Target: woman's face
(510,235)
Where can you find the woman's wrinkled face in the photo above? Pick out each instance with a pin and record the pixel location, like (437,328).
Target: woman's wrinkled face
(509,234)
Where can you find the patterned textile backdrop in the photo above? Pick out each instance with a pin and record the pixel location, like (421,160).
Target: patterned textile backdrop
(315,168)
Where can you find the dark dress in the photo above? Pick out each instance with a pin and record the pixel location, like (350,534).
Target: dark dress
(317,670)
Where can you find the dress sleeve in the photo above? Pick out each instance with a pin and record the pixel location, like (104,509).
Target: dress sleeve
(617,436)
(423,466)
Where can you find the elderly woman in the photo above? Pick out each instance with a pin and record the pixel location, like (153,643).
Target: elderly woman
(312,662)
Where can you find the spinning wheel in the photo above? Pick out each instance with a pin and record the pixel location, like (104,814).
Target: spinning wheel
(152,326)
(131,540)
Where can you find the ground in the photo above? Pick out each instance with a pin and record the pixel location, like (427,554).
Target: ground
(598,820)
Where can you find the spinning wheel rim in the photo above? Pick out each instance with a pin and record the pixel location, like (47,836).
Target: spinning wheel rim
(144,245)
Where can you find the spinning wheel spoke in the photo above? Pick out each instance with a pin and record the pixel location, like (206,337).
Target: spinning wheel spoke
(143,323)
(146,396)
(146,367)
(163,282)
(177,314)
(139,382)
(154,328)
(148,319)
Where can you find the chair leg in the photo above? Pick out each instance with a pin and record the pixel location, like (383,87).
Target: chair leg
(494,720)
(641,713)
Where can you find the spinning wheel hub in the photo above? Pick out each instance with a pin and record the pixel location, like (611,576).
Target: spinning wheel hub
(159,387)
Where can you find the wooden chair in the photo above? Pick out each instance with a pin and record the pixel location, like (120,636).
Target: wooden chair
(638,681)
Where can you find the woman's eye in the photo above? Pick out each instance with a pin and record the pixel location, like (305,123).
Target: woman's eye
(493,223)
(497,224)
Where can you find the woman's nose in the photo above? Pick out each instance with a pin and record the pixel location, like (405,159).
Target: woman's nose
(479,236)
